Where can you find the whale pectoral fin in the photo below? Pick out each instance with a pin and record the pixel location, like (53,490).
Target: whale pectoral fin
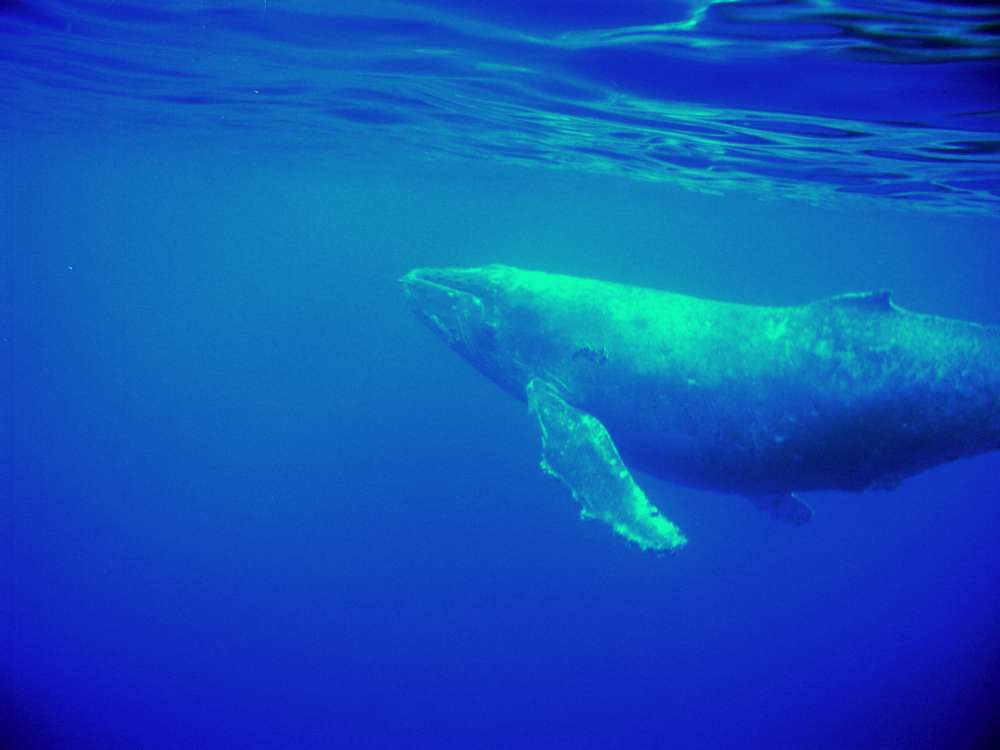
(784,506)
(577,449)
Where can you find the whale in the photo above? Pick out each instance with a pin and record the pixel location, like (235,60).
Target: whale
(847,393)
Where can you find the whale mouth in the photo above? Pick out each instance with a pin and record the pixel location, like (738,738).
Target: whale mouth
(430,287)
(446,300)
(465,280)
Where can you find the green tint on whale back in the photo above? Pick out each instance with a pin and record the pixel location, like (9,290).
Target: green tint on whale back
(577,449)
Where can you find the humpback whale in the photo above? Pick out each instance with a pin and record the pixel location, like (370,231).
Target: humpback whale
(846,393)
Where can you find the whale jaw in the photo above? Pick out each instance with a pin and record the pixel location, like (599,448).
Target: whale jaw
(447,302)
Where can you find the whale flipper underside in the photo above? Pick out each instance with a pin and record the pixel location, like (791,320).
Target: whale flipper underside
(577,449)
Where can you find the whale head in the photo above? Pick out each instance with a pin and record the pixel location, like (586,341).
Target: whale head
(489,315)
(456,303)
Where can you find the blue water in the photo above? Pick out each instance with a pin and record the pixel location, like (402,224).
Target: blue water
(250,501)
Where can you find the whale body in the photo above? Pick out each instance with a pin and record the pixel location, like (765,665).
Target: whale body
(846,393)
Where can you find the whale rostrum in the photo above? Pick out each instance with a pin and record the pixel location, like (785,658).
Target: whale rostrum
(846,393)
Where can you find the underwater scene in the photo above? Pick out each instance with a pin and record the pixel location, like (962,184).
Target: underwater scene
(439,374)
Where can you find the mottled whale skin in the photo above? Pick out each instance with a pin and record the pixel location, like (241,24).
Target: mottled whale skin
(846,393)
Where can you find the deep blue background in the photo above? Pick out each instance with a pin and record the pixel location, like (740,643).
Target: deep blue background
(248,500)
(255,503)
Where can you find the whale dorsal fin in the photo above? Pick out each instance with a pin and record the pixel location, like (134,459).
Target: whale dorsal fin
(577,449)
(877,300)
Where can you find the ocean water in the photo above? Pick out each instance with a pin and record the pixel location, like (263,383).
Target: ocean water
(249,500)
